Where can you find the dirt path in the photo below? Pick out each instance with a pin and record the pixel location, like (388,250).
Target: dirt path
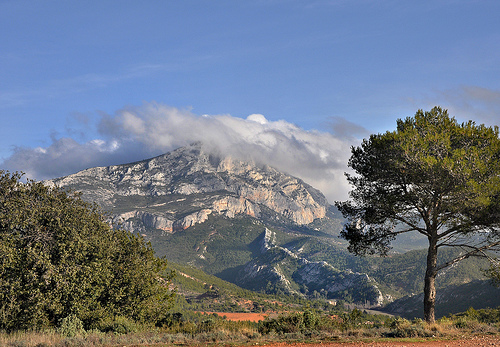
(474,341)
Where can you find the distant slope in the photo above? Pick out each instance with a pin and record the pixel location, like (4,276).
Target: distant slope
(199,291)
(243,251)
(451,299)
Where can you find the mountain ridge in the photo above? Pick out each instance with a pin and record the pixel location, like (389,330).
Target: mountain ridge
(236,187)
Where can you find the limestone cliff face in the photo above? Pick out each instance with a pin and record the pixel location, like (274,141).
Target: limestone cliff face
(182,188)
(140,220)
(230,206)
(323,276)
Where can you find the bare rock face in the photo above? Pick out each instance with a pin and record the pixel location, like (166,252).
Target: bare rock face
(230,206)
(133,220)
(182,188)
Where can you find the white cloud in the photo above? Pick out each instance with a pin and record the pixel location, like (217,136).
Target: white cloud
(136,133)
(259,118)
(132,123)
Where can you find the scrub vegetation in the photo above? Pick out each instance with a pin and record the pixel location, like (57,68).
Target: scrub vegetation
(302,325)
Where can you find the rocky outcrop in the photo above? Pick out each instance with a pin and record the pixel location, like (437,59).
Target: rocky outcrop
(230,206)
(314,276)
(132,221)
(137,220)
(182,188)
(323,276)
(191,219)
(267,241)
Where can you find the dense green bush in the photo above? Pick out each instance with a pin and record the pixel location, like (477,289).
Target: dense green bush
(118,325)
(295,322)
(71,326)
(59,257)
(401,327)
(483,321)
(485,315)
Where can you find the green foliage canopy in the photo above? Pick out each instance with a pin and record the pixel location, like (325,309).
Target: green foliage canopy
(433,176)
(59,257)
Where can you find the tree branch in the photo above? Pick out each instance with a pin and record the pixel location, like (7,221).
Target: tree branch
(474,252)
(413,227)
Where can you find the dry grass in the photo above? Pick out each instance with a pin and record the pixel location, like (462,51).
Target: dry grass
(215,330)
(29,339)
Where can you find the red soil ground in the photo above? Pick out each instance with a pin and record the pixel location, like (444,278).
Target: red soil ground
(235,316)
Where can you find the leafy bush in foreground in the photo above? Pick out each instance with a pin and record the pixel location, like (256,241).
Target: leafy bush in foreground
(71,326)
(59,258)
(295,322)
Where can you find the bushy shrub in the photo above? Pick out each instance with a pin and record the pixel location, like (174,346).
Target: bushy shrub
(482,321)
(399,323)
(295,322)
(214,336)
(59,256)
(488,315)
(119,325)
(310,319)
(351,319)
(170,320)
(207,325)
(401,327)
(71,326)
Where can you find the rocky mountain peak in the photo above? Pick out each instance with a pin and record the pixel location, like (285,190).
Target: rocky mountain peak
(181,188)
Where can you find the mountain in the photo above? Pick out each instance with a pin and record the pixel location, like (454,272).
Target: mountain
(182,188)
(225,216)
(253,226)
(449,300)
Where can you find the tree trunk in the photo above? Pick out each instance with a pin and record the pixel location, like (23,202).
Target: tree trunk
(430,282)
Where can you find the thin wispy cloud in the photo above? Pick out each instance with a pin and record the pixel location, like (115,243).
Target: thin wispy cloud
(56,88)
(476,103)
(342,128)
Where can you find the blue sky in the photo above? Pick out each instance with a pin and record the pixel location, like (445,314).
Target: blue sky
(86,83)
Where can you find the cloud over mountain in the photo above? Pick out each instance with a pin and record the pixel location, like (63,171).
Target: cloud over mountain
(136,133)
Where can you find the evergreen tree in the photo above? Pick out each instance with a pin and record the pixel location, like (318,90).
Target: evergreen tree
(433,176)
